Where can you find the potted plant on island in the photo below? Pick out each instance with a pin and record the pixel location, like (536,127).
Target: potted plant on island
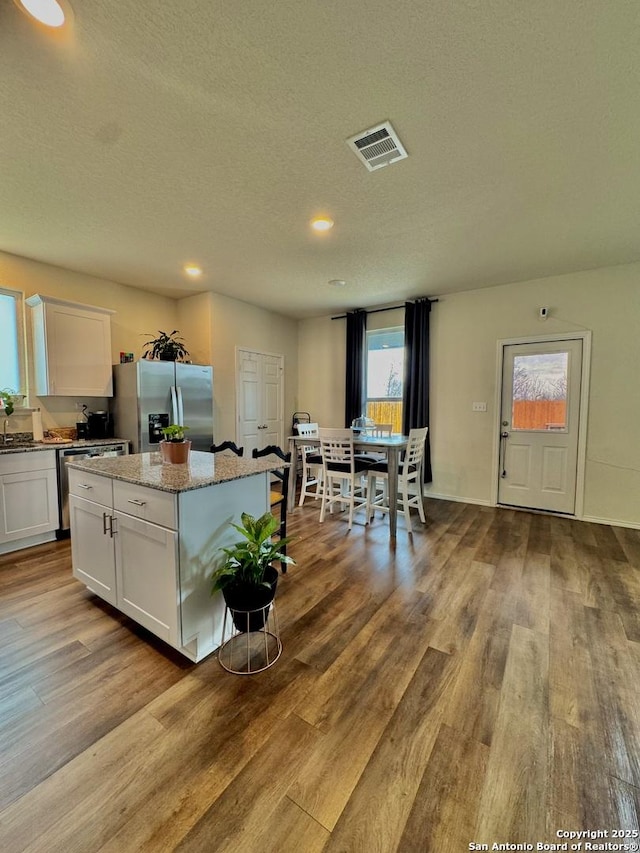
(246,577)
(168,346)
(175,448)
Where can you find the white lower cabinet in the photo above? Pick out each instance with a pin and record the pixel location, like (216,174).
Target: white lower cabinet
(147,575)
(131,563)
(28,499)
(150,553)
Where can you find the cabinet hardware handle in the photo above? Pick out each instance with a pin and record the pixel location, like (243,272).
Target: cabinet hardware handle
(105,530)
(112,529)
(82,486)
(137,503)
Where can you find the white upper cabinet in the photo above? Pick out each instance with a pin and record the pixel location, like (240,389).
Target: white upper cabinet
(72,348)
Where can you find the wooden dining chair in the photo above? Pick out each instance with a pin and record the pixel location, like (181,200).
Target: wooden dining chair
(278,499)
(409,473)
(227,445)
(311,486)
(342,473)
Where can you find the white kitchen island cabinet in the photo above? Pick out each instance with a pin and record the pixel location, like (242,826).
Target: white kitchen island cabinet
(146,536)
(28,499)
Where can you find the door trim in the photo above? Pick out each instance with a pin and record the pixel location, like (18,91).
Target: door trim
(238,350)
(585,337)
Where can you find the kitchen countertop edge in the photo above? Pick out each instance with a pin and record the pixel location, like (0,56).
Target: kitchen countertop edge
(61,445)
(203,470)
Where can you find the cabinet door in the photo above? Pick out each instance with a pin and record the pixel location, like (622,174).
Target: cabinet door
(92,550)
(72,347)
(28,504)
(147,575)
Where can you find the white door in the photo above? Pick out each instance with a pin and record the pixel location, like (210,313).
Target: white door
(259,392)
(539,425)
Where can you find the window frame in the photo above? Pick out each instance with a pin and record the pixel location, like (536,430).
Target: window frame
(396,328)
(18,299)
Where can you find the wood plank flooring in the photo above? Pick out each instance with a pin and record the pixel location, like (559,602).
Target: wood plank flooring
(478,684)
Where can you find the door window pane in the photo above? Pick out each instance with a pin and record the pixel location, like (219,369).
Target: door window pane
(540,391)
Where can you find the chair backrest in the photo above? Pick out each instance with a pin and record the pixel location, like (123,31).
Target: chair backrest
(336,446)
(414,453)
(281,473)
(227,445)
(382,430)
(311,431)
(308,429)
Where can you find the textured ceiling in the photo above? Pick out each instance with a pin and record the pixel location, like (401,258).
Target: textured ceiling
(157,133)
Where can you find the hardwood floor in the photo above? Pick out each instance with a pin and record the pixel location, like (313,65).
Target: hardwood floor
(478,684)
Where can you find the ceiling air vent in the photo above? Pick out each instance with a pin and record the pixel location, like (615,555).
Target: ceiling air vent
(378,146)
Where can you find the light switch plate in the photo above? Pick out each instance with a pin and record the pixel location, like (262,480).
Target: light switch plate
(479,407)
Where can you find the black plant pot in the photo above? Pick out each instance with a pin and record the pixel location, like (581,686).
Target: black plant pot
(249,603)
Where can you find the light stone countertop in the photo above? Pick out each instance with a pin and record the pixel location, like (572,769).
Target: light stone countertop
(26,446)
(203,469)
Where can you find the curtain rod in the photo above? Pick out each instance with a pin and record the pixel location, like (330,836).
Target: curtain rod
(377,310)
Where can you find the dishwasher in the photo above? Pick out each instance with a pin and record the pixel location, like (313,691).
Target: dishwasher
(75,454)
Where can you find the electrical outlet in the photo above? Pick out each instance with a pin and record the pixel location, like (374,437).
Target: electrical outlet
(479,407)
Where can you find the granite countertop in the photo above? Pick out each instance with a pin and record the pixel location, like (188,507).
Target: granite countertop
(29,446)
(204,469)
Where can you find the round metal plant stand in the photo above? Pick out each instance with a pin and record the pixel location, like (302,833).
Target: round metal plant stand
(244,651)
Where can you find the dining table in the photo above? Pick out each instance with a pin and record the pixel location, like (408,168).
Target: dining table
(391,445)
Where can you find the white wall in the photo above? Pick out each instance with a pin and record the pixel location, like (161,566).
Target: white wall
(216,325)
(138,316)
(465,329)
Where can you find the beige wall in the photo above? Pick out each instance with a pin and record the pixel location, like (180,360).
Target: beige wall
(465,330)
(215,326)
(138,316)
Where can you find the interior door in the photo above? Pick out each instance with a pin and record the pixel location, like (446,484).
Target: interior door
(259,390)
(539,425)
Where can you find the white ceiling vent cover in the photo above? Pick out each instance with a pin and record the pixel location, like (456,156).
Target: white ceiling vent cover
(378,146)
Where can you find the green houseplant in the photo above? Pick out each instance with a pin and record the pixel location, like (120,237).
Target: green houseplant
(7,401)
(168,346)
(246,577)
(175,448)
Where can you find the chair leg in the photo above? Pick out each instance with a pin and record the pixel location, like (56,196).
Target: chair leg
(405,504)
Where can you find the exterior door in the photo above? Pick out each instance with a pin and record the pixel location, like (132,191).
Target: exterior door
(539,425)
(259,391)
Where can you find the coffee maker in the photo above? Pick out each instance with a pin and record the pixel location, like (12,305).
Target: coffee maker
(98,424)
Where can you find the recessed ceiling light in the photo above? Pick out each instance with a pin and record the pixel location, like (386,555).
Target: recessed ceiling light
(48,12)
(322,223)
(193,270)
(337,282)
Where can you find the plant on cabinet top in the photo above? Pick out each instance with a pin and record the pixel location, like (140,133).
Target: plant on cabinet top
(168,346)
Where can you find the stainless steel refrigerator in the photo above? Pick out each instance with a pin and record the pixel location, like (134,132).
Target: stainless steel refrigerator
(149,395)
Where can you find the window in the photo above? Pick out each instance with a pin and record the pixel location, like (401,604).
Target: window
(11,340)
(385,375)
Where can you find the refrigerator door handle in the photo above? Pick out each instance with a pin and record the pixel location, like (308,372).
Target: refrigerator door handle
(180,407)
(174,406)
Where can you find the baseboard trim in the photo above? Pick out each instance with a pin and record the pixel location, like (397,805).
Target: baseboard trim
(613,522)
(456,499)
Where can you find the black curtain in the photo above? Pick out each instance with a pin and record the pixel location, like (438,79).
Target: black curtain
(415,408)
(356,350)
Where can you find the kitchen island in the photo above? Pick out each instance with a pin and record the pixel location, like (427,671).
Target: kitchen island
(146,536)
